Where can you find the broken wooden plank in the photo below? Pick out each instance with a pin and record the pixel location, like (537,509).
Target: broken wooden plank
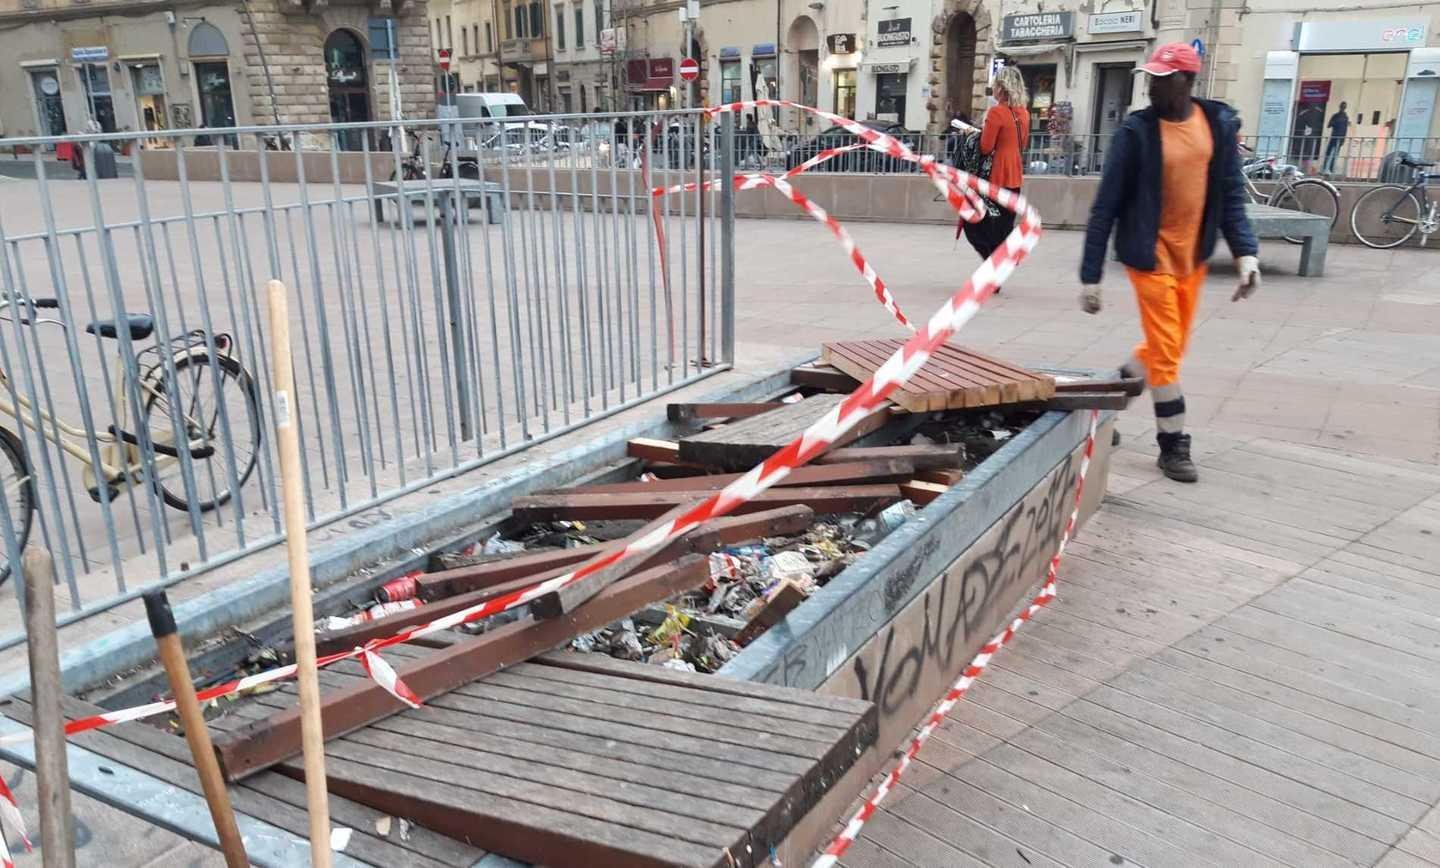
(651,449)
(1083,401)
(741,445)
(583,506)
(954,377)
(941,476)
(688,412)
(1129,385)
(875,470)
(262,743)
(781,602)
(921,493)
(921,457)
(447,583)
(826,377)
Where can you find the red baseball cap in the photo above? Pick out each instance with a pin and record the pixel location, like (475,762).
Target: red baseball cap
(1172,57)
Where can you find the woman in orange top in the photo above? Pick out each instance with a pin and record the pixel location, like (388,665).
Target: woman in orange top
(1003,138)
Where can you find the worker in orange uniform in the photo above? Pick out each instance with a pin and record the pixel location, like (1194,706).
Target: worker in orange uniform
(1172,182)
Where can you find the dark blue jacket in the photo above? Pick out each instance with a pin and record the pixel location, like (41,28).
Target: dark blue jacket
(1130,194)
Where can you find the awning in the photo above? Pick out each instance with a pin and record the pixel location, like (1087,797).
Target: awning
(654,74)
(730,53)
(1029,50)
(763,49)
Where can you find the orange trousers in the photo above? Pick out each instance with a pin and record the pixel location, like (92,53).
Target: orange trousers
(1167,312)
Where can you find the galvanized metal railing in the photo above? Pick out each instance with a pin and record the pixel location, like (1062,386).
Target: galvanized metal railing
(453,302)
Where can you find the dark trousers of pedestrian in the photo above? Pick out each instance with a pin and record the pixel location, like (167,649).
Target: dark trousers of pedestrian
(1331,151)
(987,235)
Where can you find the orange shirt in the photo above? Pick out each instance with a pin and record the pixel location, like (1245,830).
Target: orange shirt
(1186,147)
(1005,133)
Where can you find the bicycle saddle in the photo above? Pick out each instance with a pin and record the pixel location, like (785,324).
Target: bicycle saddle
(140,325)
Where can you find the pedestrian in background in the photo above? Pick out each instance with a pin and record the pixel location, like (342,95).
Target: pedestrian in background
(1339,128)
(1002,139)
(1172,183)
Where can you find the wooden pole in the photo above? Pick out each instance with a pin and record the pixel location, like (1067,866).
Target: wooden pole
(52,772)
(312,734)
(172,656)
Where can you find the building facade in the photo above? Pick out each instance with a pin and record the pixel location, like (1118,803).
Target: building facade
(135,66)
(583,74)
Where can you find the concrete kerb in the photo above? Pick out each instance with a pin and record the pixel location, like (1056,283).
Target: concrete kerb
(131,646)
(816,639)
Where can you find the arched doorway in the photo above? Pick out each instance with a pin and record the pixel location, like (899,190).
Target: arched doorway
(959,65)
(802,72)
(348,75)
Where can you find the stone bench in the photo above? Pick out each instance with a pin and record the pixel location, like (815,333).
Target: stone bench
(488,194)
(1271,222)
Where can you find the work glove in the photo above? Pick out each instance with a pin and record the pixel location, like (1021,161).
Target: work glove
(1249,269)
(1090,298)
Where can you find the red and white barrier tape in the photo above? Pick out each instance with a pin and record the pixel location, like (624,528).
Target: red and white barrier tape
(14,821)
(961,191)
(971,674)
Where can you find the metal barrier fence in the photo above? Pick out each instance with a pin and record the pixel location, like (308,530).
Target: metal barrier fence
(439,321)
(1350,159)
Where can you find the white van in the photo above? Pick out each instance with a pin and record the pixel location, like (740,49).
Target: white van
(490,105)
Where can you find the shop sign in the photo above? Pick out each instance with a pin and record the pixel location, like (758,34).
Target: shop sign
(841,43)
(1315,91)
(895,31)
(1381,33)
(888,68)
(1037,25)
(94,54)
(1115,22)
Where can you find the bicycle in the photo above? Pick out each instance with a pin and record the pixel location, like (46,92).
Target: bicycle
(1294,191)
(215,397)
(1390,214)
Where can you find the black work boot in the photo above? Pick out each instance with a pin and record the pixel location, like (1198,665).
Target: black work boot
(1174,458)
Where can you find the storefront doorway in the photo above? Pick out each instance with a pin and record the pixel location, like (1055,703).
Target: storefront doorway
(890,96)
(347,73)
(217,105)
(49,107)
(1114,88)
(960,66)
(148,85)
(95,80)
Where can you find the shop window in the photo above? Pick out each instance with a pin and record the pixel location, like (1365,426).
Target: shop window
(1040,81)
(730,81)
(95,79)
(844,80)
(49,108)
(1370,85)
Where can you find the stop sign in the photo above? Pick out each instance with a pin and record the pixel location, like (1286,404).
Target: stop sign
(689,69)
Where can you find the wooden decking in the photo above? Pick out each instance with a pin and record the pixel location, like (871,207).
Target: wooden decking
(1241,672)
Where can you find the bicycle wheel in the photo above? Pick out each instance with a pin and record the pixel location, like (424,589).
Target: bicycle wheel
(19,492)
(202,388)
(1310,195)
(1385,216)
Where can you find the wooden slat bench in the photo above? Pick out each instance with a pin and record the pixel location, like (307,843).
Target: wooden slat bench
(581,760)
